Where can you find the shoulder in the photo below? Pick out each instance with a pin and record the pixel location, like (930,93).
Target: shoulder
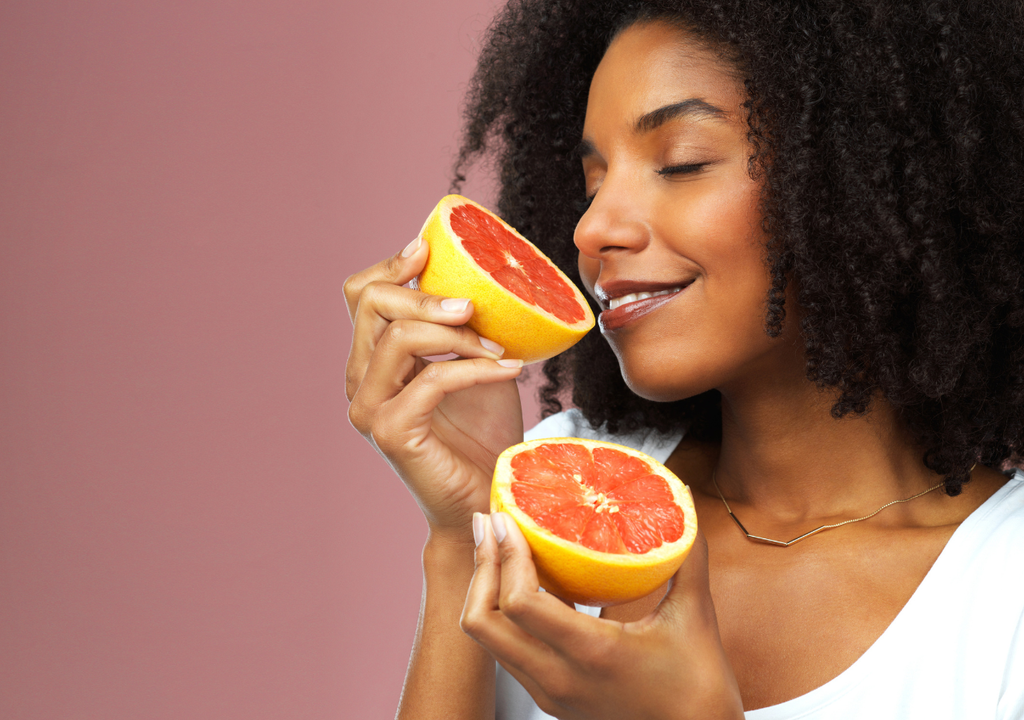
(987,550)
(1001,517)
(991,574)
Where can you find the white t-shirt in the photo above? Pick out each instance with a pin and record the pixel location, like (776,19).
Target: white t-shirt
(956,649)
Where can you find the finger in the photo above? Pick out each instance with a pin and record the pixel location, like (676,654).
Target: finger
(542,615)
(398,269)
(575,644)
(690,593)
(484,622)
(393,361)
(483,588)
(538,667)
(482,618)
(686,620)
(405,418)
(381,304)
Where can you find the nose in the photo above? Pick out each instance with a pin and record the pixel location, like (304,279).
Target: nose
(611,224)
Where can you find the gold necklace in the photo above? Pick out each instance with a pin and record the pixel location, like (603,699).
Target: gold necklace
(780,543)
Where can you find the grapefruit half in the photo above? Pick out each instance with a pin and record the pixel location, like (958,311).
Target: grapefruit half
(606,524)
(521,300)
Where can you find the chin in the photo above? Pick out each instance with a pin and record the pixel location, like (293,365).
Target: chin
(652,380)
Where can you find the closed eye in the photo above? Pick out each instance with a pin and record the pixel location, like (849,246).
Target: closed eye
(682,169)
(583,205)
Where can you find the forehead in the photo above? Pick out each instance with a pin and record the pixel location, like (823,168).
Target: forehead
(651,65)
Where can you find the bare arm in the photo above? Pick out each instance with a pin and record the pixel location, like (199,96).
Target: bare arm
(450,675)
(440,426)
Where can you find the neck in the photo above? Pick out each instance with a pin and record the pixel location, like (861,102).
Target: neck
(783,453)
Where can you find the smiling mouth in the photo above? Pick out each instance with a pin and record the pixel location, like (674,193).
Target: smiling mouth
(616,302)
(622,310)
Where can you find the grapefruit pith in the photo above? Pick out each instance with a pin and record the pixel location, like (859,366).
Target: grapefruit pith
(606,524)
(521,300)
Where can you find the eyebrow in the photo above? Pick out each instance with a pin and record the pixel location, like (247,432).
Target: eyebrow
(693,107)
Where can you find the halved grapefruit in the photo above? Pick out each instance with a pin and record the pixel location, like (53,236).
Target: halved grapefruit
(521,300)
(607,524)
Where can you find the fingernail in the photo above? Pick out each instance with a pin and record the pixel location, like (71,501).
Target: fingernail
(478,528)
(510,363)
(492,346)
(498,524)
(454,305)
(412,247)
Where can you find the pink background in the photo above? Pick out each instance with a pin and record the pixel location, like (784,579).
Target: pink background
(189,526)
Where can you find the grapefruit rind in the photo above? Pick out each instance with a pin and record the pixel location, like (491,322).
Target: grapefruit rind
(527,332)
(580,574)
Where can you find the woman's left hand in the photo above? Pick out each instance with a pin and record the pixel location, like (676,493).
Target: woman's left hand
(670,664)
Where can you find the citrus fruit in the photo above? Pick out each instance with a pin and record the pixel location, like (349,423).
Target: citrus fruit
(607,524)
(521,300)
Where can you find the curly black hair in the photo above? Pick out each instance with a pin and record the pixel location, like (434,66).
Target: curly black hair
(889,139)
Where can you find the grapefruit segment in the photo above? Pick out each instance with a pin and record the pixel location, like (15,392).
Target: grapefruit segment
(606,523)
(616,468)
(521,300)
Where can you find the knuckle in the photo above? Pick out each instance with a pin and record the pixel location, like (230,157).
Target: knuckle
(351,289)
(434,372)
(470,622)
(379,436)
(427,303)
(515,605)
(396,332)
(599,655)
(559,687)
(372,293)
(466,335)
(359,418)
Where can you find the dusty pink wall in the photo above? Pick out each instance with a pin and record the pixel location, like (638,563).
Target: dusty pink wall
(189,527)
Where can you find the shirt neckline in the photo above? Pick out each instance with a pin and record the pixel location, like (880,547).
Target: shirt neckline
(915,610)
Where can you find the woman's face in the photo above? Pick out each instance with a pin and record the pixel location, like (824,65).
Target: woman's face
(674,213)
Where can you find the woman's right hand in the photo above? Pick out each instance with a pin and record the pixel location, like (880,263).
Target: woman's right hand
(439,425)
(670,664)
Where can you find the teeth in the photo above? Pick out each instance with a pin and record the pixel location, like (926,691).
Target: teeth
(633,297)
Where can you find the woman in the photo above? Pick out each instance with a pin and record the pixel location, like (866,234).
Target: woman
(827,199)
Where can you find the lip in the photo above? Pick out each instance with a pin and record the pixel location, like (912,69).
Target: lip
(608,289)
(628,312)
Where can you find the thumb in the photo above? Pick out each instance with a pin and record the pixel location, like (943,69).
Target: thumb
(689,598)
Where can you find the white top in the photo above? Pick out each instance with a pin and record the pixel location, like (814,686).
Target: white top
(956,649)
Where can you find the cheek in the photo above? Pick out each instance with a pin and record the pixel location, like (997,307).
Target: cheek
(728,219)
(732,251)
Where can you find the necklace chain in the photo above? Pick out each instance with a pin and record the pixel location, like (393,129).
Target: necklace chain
(780,543)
